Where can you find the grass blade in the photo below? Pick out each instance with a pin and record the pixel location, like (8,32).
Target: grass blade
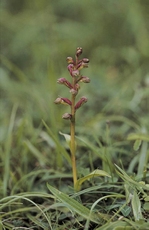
(136,207)
(8,150)
(73,205)
(95,173)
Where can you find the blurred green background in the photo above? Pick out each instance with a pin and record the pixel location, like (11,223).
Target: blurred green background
(36,38)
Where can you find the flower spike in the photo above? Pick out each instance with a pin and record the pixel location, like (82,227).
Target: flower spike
(74,67)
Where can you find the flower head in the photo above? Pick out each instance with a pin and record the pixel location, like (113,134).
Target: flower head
(74,67)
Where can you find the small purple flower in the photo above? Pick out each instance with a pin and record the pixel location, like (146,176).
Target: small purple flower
(75,73)
(80,102)
(65,101)
(85,79)
(82,65)
(70,68)
(73,91)
(65,82)
(77,87)
(62,100)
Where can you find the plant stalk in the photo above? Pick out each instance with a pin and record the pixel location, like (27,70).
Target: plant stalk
(72,143)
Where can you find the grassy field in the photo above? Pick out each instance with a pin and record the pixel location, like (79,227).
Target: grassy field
(112,128)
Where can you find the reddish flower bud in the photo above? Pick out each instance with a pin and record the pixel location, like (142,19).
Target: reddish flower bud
(58,100)
(85,60)
(61,80)
(73,91)
(80,102)
(85,64)
(65,101)
(67,116)
(75,73)
(85,79)
(64,82)
(82,65)
(70,60)
(70,68)
(79,66)
(62,100)
(77,87)
(79,51)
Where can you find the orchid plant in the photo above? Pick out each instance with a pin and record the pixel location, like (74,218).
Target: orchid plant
(74,67)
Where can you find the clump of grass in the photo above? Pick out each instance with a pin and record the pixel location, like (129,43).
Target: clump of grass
(117,202)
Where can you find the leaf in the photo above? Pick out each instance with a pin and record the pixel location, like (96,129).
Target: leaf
(68,139)
(130,181)
(137,144)
(117,225)
(64,152)
(126,211)
(89,176)
(41,158)
(74,206)
(136,206)
(146,198)
(136,136)
(146,206)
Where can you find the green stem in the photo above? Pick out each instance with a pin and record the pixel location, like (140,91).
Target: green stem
(72,146)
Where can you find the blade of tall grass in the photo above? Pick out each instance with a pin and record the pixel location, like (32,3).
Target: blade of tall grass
(100,117)
(38,222)
(133,183)
(45,174)
(143,159)
(106,217)
(74,206)
(14,68)
(59,146)
(13,199)
(7,151)
(136,207)
(41,158)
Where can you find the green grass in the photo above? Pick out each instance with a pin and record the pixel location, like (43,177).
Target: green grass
(112,128)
